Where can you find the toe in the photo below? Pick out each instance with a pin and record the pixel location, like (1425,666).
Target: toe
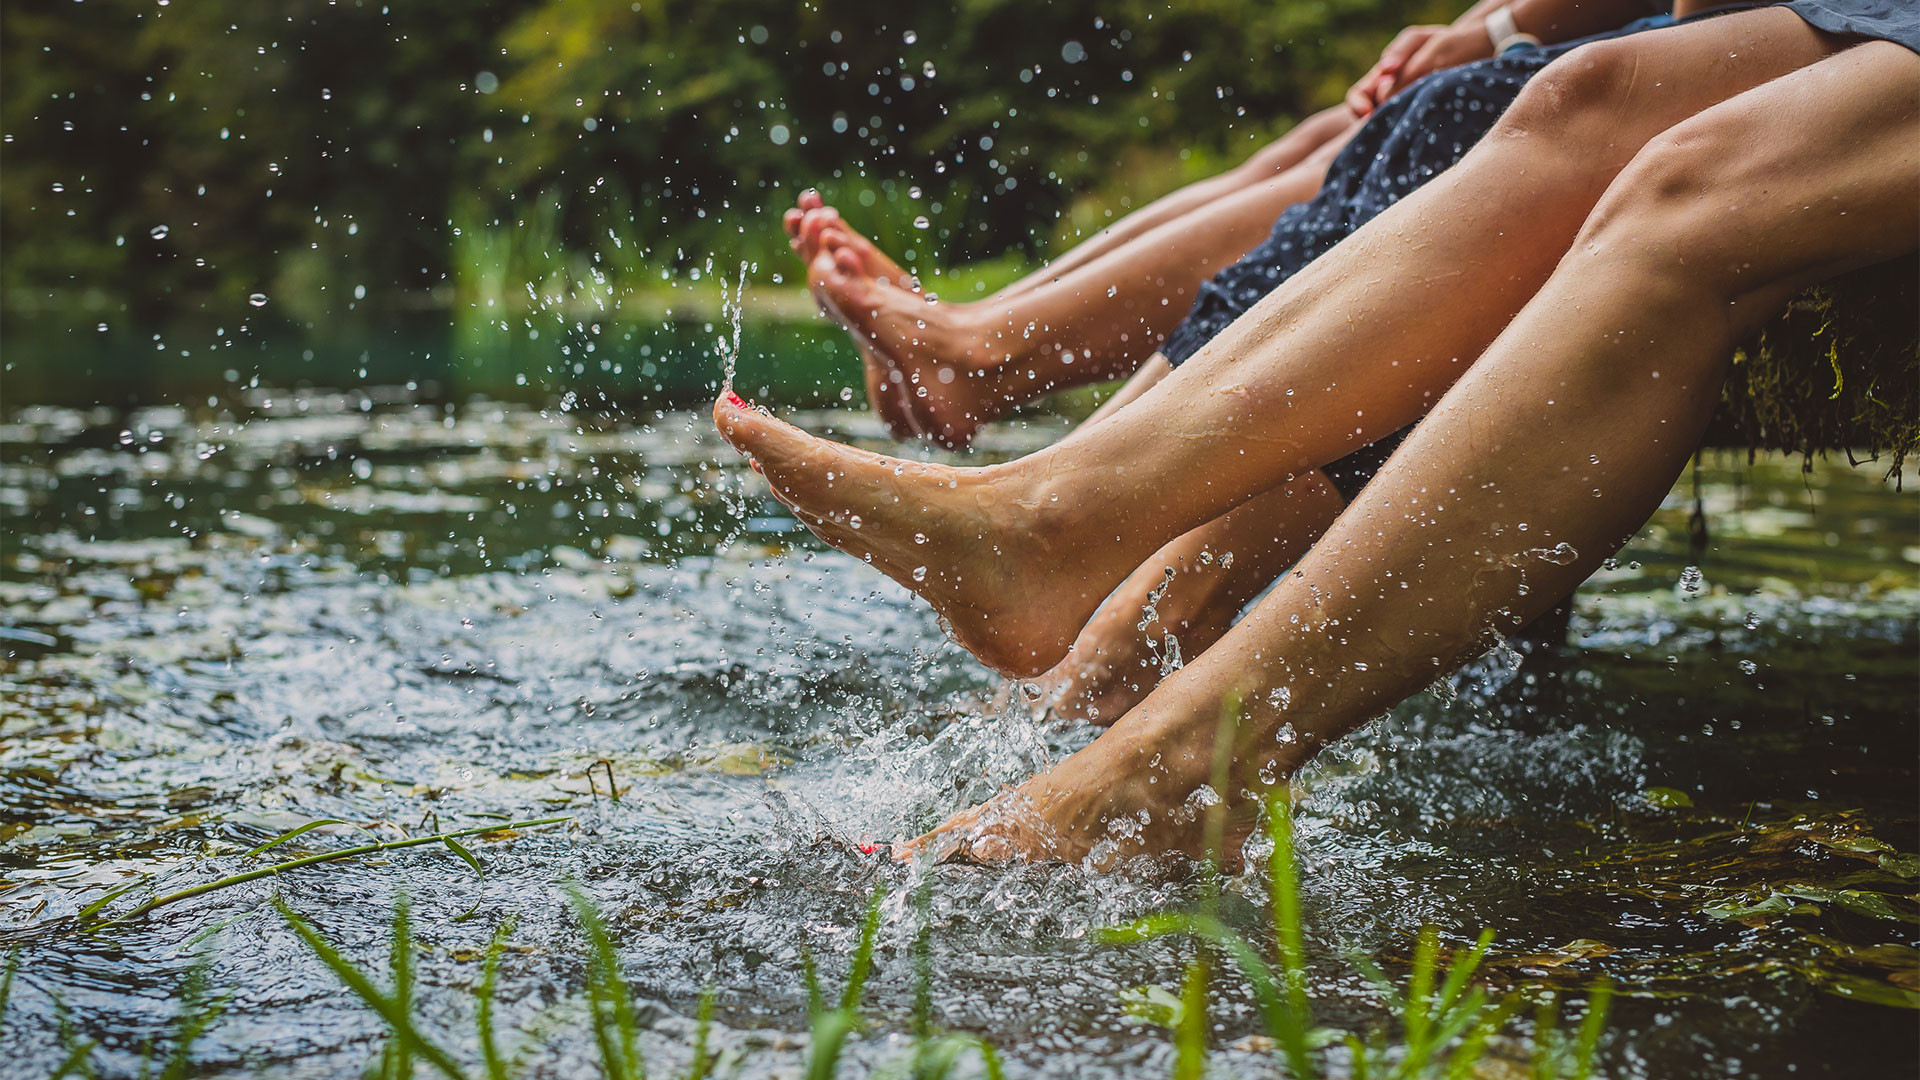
(810,199)
(813,222)
(791,222)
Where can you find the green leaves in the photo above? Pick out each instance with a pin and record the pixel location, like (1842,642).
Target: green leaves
(447,838)
(615,1030)
(1445,1022)
(1667,798)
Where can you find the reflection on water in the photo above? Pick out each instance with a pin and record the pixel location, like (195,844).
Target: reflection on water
(222,622)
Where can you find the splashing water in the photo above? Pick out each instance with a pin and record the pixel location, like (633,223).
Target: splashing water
(732,307)
(360,646)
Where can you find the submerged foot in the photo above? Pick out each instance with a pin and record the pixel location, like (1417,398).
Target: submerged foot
(968,541)
(1141,788)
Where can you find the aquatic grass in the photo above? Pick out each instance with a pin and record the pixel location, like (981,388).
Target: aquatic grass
(609,1002)
(1446,1023)
(199,1009)
(395,1009)
(702,1066)
(935,1055)
(79,1059)
(831,1027)
(449,839)
(6,981)
(483,1013)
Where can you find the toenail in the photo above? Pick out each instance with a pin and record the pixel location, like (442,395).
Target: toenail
(736,400)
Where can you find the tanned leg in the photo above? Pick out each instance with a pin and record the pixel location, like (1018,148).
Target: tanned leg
(942,369)
(1180,601)
(1362,342)
(1533,468)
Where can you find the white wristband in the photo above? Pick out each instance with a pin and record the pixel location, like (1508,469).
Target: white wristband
(1504,33)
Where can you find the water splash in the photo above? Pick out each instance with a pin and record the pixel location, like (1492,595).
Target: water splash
(732,305)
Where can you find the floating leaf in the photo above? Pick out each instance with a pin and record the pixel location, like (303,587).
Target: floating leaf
(1152,1005)
(1670,798)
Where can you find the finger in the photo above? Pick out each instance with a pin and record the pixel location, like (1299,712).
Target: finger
(1404,44)
(1360,98)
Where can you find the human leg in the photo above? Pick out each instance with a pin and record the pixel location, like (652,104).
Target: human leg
(1180,601)
(1018,556)
(939,369)
(1534,467)
(810,214)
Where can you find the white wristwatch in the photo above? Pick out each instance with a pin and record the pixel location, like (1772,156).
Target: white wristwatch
(1504,34)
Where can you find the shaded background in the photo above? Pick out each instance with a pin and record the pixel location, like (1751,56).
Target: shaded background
(335,193)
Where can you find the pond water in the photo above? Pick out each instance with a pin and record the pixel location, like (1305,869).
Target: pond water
(224,620)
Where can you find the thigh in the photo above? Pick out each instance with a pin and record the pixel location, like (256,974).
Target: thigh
(1808,175)
(1603,101)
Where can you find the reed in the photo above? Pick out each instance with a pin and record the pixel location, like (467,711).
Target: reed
(450,840)
(1445,1022)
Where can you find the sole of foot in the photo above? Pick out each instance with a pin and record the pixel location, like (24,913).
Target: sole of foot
(959,538)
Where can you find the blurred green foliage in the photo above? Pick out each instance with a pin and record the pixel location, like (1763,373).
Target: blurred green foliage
(171,159)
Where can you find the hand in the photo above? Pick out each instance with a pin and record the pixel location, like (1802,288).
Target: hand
(1371,90)
(1453,46)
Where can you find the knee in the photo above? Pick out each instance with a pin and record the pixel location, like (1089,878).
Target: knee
(1680,209)
(1582,88)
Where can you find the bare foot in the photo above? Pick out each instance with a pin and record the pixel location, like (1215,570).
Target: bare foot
(1141,788)
(1184,598)
(807,230)
(1128,646)
(992,557)
(929,373)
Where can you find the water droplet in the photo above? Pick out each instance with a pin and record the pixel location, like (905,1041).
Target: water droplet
(910,37)
(919,573)
(854,521)
(258,299)
(159,232)
(921,222)
(1749,666)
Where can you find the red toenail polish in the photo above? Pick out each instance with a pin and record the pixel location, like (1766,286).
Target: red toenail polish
(736,400)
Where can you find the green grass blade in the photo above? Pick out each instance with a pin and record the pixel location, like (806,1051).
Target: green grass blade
(196,1015)
(608,993)
(6,981)
(605,1030)
(810,974)
(1591,1028)
(923,959)
(292,833)
(1461,1064)
(92,909)
(76,1061)
(468,857)
(1359,1052)
(1148,927)
(702,1065)
(1416,1015)
(1283,874)
(326,856)
(1190,1037)
(863,953)
(400,962)
(1546,1056)
(830,1031)
(1461,971)
(489,1052)
(363,988)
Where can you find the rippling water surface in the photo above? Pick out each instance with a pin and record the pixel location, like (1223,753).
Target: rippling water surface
(224,621)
